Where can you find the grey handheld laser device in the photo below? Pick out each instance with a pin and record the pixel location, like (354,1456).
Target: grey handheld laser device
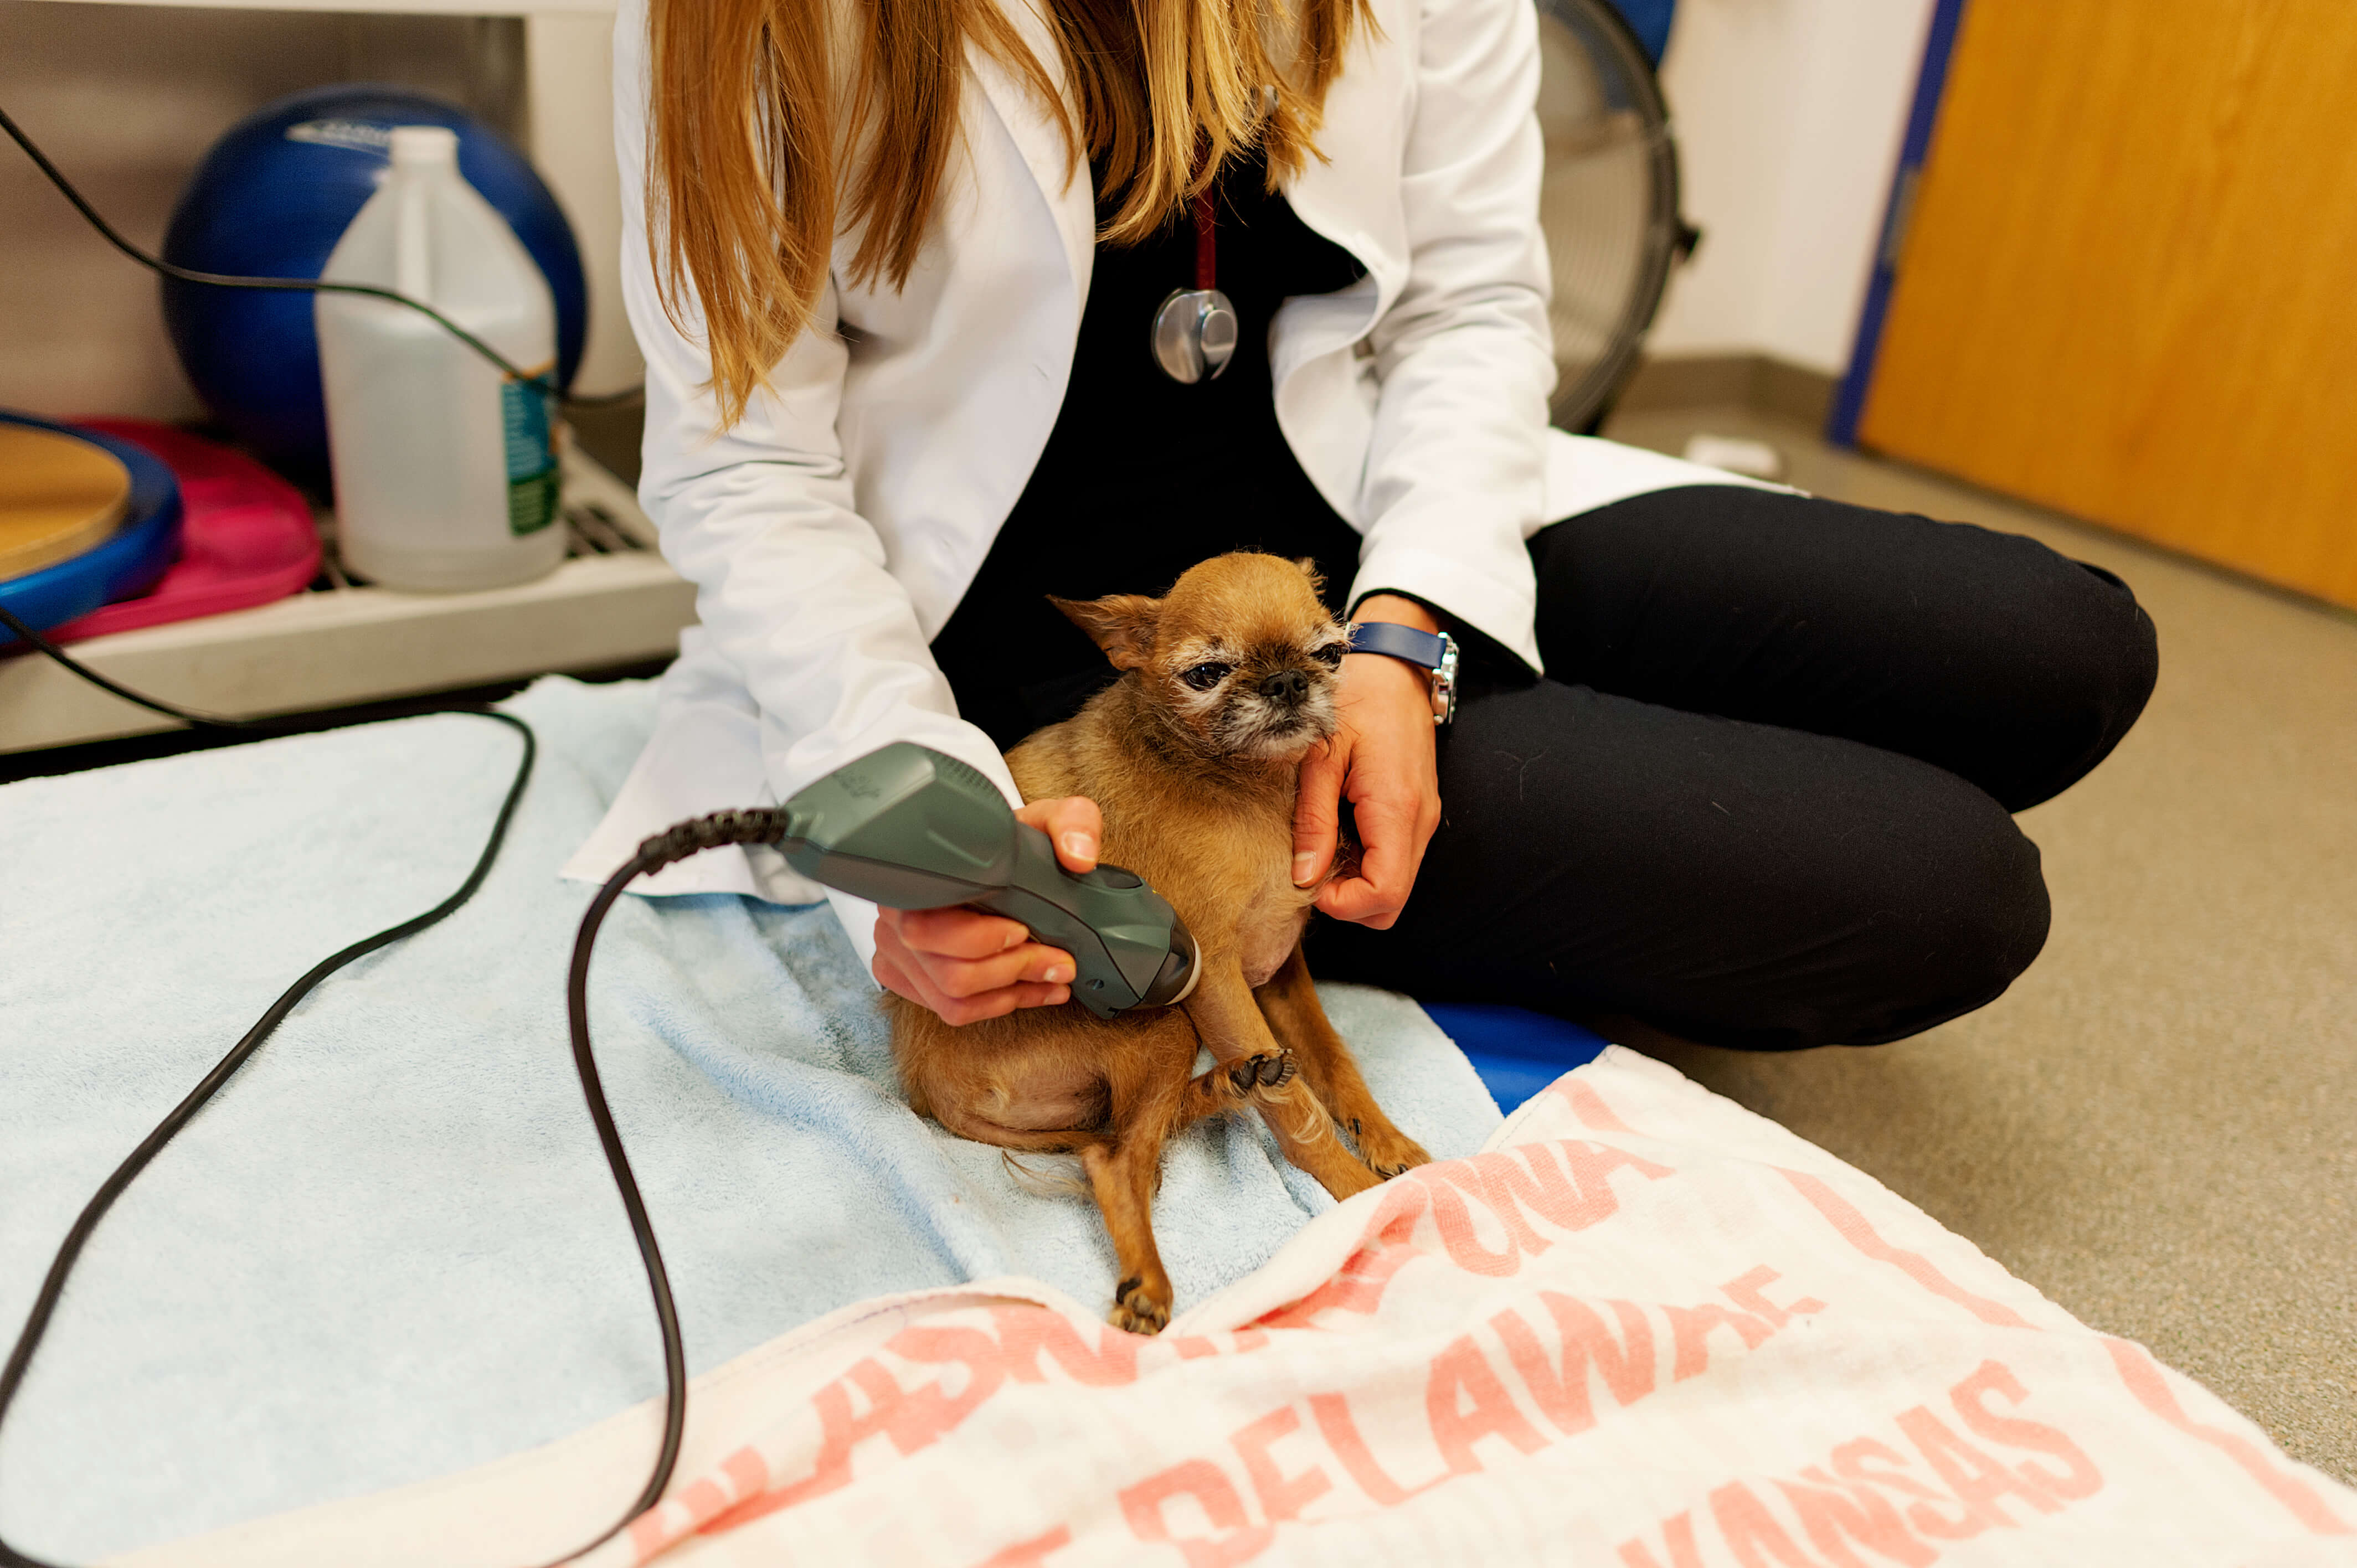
(909,828)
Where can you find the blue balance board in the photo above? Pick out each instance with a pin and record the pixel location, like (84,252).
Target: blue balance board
(1516,1052)
(127,564)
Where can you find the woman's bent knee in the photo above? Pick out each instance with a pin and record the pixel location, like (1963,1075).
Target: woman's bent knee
(1965,947)
(2100,657)
(1907,937)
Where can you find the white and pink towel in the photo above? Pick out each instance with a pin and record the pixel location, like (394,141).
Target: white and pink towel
(1644,1328)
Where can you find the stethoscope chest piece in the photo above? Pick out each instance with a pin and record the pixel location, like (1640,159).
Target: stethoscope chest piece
(1194,335)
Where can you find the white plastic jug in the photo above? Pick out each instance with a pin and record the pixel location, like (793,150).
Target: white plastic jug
(445,468)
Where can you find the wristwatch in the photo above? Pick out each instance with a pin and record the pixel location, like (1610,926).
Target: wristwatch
(1434,651)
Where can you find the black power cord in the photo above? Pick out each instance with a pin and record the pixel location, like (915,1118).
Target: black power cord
(162,268)
(677,844)
(680,841)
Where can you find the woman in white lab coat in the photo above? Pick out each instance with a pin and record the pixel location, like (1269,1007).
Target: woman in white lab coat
(1727,760)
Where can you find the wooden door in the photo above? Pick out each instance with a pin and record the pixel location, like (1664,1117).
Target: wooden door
(2128,288)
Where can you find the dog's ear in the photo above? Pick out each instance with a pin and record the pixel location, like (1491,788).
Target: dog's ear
(1308,565)
(1121,624)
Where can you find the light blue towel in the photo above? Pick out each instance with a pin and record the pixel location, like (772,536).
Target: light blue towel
(390,1248)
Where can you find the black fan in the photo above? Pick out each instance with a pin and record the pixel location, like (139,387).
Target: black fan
(1609,203)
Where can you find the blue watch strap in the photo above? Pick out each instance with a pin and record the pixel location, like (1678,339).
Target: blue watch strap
(1422,647)
(1425,650)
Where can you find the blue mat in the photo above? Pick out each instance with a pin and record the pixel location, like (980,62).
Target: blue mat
(1516,1052)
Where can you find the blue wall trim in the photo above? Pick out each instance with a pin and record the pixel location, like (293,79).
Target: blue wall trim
(1841,427)
(1649,20)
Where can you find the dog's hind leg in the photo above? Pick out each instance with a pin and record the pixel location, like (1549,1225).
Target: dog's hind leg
(1149,1102)
(1234,1029)
(1289,1002)
(1123,1176)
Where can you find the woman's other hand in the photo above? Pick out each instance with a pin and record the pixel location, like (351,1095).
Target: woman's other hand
(965,965)
(1380,759)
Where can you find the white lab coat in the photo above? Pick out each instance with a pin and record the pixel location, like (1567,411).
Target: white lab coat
(832,530)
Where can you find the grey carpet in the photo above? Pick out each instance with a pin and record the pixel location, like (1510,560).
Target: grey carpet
(2158,1124)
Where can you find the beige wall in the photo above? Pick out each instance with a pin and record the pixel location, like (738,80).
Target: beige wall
(125,99)
(570,70)
(1789,115)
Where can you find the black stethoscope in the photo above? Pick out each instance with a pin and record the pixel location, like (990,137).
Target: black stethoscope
(1195,329)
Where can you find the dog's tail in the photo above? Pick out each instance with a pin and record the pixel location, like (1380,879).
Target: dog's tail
(1064,1181)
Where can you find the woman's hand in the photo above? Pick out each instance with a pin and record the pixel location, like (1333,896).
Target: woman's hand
(966,965)
(1381,759)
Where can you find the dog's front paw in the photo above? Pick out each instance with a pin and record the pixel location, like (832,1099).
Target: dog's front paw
(1266,1070)
(1138,1308)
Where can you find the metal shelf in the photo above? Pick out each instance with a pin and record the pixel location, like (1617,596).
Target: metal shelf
(613,602)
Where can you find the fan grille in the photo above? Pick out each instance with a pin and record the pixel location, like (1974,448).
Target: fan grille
(1608,204)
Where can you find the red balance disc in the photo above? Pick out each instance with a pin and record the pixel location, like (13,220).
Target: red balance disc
(247,536)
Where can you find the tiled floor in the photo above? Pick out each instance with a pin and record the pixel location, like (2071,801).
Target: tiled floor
(2158,1124)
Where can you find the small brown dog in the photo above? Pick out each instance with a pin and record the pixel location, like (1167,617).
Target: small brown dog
(1193,756)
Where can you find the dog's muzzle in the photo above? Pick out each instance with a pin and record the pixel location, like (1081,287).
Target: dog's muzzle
(1289,688)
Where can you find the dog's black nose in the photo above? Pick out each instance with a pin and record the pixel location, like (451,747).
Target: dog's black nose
(1288,686)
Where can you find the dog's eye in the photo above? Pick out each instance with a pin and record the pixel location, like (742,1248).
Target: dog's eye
(1330,656)
(1203,677)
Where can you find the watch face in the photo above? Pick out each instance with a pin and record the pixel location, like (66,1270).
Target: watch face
(1444,682)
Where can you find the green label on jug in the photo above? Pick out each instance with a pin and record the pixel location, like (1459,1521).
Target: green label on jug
(531,459)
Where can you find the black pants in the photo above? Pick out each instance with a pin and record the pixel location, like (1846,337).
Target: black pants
(1761,797)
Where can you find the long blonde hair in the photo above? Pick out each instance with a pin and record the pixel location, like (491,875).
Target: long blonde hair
(766,114)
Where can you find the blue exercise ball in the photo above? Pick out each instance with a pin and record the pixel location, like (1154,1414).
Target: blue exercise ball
(270,199)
